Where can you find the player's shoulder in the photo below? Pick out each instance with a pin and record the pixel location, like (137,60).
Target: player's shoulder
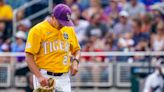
(152,76)
(68,29)
(72,28)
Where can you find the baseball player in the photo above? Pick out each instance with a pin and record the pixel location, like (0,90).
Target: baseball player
(49,46)
(155,81)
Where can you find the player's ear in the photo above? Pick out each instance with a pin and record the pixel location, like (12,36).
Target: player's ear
(53,17)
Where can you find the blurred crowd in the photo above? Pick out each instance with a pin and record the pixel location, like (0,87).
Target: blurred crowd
(100,25)
(133,25)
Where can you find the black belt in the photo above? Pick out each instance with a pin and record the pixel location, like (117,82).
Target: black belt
(54,74)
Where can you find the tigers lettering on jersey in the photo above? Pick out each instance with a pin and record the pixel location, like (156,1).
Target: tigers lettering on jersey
(55,46)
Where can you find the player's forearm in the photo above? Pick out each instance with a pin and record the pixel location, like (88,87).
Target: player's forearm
(77,54)
(32,66)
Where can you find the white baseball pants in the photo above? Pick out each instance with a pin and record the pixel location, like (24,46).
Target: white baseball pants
(62,82)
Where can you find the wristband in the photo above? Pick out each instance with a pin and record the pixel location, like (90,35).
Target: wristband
(76,60)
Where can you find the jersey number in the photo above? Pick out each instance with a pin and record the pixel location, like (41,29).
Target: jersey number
(65,60)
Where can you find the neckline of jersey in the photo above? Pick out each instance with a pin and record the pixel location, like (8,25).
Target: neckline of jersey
(51,28)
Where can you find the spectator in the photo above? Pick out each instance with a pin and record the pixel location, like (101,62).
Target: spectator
(5,48)
(20,18)
(137,34)
(157,42)
(70,2)
(84,4)
(157,17)
(146,23)
(80,24)
(95,7)
(20,15)
(94,44)
(143,45)
(110,45)
(2,29)
(134,8)
(24,24)
(112,10)
(123,26)
(87,48)
(19,45)
(126,41)
(96,27)
(122,3)
(6,11)
(6,15)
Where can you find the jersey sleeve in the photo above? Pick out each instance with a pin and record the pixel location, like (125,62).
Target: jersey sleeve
(33,43)
(75,44)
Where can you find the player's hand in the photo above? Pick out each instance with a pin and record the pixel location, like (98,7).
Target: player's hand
(43,81)
(74,68)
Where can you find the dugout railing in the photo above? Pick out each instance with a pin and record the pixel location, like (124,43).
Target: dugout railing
(91,74)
